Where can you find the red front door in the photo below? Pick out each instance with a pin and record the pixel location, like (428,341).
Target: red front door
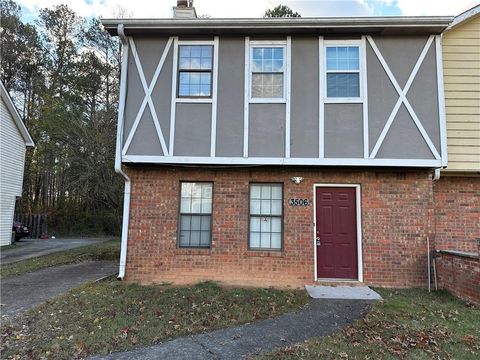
(336,233)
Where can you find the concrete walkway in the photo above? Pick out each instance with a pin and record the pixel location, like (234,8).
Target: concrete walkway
(30,248)
(319,318)
(22,292)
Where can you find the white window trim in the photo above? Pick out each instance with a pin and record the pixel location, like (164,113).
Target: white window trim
(214,44)
(286,65)
(360,71)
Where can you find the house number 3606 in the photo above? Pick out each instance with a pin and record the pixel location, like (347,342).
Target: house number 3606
(298,202)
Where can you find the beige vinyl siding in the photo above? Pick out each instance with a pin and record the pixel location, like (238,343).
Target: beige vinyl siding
(12,159)
(461,63)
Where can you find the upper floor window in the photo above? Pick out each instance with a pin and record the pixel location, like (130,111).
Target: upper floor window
(195,70)
(267,71)
(342,71)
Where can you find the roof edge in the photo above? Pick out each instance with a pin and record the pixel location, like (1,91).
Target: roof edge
(441,22)
(466,15)
(16,116)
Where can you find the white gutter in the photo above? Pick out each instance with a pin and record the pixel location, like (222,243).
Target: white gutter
(118,151)
(288,23)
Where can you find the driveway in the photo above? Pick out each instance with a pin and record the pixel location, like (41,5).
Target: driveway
(30,248)
(22,292)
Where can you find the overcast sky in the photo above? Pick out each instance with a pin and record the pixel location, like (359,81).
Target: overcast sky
(254,8)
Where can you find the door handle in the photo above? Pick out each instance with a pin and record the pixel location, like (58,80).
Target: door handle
(317,240)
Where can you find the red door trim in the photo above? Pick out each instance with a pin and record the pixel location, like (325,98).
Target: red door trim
(358,204)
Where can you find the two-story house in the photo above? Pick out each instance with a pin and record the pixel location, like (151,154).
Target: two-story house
(280,151)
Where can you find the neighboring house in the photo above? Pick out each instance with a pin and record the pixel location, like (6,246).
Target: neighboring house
(14,138)
(457,193)
(280,151)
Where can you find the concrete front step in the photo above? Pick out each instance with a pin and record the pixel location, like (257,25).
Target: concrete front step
(342,292)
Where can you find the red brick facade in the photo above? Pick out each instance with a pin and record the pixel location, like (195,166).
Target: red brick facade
(397,218)
(457,212)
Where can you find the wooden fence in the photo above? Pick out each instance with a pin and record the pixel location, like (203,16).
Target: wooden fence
(36,223)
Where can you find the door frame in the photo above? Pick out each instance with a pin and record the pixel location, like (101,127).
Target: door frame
(358,206)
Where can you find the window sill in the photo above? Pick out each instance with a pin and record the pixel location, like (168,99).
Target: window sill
(194,100)
(192,251)
(343,100)
(267,101)
(264,253)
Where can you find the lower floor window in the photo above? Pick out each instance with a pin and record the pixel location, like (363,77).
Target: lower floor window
(266,214)
(195,214)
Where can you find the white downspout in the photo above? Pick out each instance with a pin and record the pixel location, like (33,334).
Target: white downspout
(118,151)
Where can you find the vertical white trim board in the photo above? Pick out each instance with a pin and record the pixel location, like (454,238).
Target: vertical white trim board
(358,210)
(364,84)
(288,82)
(441,100)
(213,132)
(173,104)
(321,105)
(121,104)
(246,96)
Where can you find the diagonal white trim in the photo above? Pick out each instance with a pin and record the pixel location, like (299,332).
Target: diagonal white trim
(213,131)
(246,96)
(441,99)
(321,105)
(402,97)
(148,96)
(363,81)
(173,104)
(288,72)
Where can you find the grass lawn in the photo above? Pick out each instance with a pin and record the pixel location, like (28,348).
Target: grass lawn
(408,324)
(8,247)
(106,250)
(98,318)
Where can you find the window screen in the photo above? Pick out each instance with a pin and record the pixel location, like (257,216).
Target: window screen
(195,70)
(343,71)
(267,66)
(195,214)
(266,211)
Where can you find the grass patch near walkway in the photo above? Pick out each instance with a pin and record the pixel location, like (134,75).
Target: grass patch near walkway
(104,250)
(408,324)
(99,318)
(8,247)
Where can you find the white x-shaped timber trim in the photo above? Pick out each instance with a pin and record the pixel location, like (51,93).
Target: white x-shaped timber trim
(402,93)
(148,97)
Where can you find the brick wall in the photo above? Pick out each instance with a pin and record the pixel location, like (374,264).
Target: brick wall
(459,274)
(457,212)
(397,218)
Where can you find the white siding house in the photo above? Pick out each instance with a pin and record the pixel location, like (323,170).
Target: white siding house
(14,138)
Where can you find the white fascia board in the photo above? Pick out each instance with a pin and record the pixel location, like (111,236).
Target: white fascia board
(199,160)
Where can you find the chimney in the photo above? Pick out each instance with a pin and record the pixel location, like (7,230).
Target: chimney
(184,10)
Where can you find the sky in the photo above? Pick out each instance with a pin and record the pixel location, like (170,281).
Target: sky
(252,8)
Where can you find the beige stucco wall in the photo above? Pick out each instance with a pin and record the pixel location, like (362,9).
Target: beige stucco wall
(461,62)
